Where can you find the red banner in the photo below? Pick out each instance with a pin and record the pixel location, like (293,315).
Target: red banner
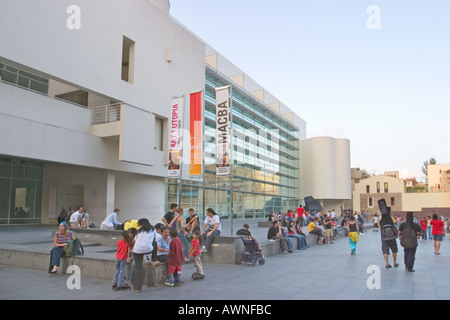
(196,131)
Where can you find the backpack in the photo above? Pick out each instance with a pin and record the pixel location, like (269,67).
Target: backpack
(78,249)
(388,232)
(408,239)
(73,248)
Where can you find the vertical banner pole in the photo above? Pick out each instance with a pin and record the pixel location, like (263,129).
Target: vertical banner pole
(230,99)
(176,142)
(224,138)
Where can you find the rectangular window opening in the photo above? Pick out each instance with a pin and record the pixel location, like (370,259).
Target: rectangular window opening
(128,60)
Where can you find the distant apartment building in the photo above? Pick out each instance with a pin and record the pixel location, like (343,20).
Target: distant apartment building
(411,182)
(437,177)
(394,190)
(369,190)
(393,174)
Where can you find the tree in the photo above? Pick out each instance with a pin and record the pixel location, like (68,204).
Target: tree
(425,167)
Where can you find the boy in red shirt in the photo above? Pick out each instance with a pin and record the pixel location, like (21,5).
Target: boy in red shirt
(123,248)
(195,252)
(175,259)
(423,225)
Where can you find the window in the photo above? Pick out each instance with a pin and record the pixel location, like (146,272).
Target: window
(386,187)
(159,134)
(370,200)
(367,189)
(128,60)
(392,201)
(378,187)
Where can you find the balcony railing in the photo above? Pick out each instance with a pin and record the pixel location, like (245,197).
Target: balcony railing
(106,114)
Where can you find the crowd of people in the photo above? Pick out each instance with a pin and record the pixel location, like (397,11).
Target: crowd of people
(167,241)
(174,239)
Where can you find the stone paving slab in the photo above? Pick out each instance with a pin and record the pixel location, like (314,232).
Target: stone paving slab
(326,272)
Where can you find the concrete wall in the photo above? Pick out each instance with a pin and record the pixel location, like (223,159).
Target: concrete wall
(417,201)
(91,57)
(137,196)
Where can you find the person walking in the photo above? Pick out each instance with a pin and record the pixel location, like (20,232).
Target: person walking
(389,235)
(353,236)
(437,225)
(423,225)
(408,232)
(375,222)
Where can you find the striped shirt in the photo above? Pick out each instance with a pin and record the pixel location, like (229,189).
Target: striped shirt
(63,238)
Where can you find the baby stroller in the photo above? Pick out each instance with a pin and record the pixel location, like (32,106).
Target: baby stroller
(250,253)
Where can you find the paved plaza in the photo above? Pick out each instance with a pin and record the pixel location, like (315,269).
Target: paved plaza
(325,272)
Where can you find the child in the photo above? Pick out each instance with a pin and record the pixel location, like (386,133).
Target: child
(132,233)
(123,249)
(195,252)
(176,258)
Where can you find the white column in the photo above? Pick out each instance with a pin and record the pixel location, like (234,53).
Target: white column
(110,192)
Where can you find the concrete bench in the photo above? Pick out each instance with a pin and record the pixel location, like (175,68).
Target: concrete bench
(89,267)
(224,250)
(100,236)
(265,224)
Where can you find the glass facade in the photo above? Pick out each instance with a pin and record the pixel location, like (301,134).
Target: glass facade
(266,165)
(20,191)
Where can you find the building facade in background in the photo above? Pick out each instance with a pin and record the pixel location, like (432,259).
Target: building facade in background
(394,190)
(85,116)
(265,173)
(85,103)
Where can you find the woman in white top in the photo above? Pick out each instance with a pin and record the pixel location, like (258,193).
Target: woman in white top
(212,226)
(143,245)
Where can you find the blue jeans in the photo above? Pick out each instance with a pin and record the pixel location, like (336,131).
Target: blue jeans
(430,229)
(289,241)
(301,241)
(55,257)
(119,276)
(424,237)
(184,242)
(207,240)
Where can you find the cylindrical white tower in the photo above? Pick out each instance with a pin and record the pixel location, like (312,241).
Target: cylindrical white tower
(325,169)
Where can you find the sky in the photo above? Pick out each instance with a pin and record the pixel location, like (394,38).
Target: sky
(376,72)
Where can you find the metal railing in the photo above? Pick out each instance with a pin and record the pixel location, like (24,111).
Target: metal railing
(106,114)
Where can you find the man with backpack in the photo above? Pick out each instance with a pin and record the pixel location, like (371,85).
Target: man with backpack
(389,235)
(409,231)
